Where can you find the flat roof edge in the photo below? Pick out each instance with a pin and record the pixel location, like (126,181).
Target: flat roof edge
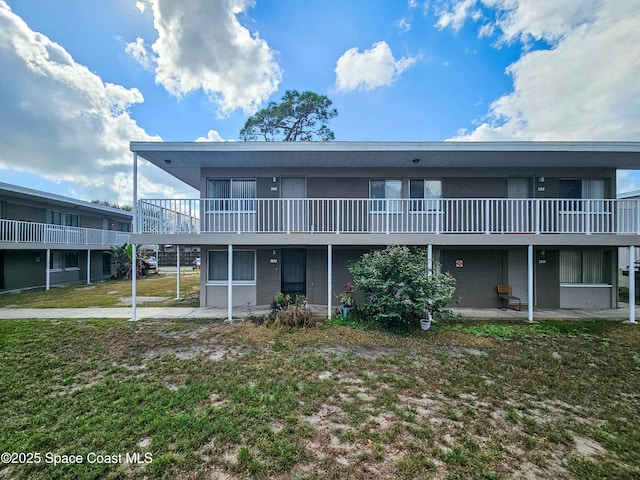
(31,192)
(568,146)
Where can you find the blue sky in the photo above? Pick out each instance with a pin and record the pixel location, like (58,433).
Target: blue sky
(86,77)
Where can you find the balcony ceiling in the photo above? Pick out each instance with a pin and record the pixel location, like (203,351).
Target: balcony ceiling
(185,159)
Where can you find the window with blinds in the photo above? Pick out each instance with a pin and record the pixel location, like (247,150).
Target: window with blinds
(231,194)
(424,194)
(389,192)
(586,266)
(244,266)
(575,190)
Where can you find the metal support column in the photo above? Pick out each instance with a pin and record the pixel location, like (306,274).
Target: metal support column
(47,281)
(329,278)
(88,267)
(134,280)
(632,284)
(530,283)
(230,283)
(177,272)
(430,270)
(134,259)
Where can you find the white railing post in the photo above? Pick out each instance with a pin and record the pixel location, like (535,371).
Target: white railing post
(338,215)
(239,216)
(487,217)
(388,216)
(537,213)
(587,217)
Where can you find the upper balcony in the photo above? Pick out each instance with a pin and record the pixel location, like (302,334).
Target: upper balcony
(20,234)
(490,216)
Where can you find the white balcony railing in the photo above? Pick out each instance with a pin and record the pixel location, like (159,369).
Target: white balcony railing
(348,215)
(17,231)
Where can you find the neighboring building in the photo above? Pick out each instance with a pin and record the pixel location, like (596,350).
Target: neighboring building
(290,216)
(623,253)
(48,239)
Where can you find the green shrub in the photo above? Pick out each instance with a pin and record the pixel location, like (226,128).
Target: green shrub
(397,288)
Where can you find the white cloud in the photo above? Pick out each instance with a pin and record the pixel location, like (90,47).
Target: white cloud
(201,45)
(370,69)
(62,121)
(141,5)
(404,25)
(583,88)
(212,136)
(456,14)
(522,20)
(541,19)
(140,53)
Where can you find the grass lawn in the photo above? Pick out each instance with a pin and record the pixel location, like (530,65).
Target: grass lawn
(558,400)
(112,293)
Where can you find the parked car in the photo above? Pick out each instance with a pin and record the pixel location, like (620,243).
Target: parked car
(196,263)
(153,263)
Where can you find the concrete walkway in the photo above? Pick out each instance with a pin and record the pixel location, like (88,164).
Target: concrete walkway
(621,313)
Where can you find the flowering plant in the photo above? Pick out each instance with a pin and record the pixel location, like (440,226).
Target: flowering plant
(345,299)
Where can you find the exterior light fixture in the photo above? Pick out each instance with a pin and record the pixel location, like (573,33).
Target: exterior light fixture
(167,161)
(416,161)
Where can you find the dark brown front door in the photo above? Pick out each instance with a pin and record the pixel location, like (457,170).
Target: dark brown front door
(294,271)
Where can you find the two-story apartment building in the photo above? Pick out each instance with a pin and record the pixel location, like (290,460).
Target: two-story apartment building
(48,239)
(283,216)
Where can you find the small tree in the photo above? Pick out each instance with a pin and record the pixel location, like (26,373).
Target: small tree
(122,260)
(298,117)
(397,287)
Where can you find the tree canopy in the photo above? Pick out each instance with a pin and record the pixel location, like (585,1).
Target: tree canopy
(298,117)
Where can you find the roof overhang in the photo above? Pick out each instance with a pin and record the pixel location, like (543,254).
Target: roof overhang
(184,160)
(60,201)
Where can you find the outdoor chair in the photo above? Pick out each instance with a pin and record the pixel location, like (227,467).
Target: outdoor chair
(505,295)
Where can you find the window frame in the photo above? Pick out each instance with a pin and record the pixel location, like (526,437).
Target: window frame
(424,203)
(71,220)
(379,205)
(123,227)
(54,217)
(226,280)
(231,204)
(585,265)
(64,260)
(576,204)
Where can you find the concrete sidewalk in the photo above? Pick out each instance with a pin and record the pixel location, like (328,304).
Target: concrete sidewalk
(621,313)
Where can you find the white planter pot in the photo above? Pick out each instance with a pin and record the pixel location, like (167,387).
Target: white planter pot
(425,324)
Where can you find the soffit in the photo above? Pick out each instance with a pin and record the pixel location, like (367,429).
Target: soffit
(184,160)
